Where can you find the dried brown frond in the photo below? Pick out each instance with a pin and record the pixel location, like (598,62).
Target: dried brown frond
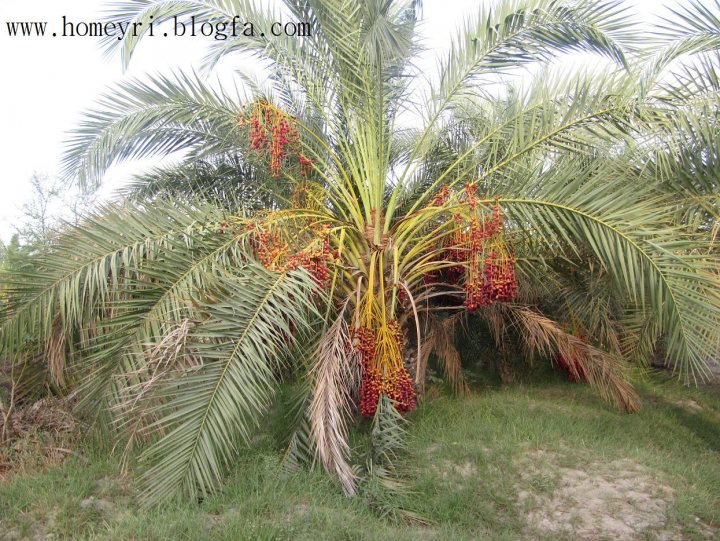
(37,436)
(166,360)
(496,323)
(50,415)
(449,356)
(439,340)
(603,371)
(422,362)
(335,375)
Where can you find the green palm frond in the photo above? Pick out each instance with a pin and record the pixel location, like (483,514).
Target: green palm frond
(151,118)
(158,11)
(388,433)
(591,301)
(687,162)
(84,270)
(653,266)
(382,487)
(693,83)
(510,34)
(688,36)
(225,181)
(692,28)
(145,313)
(205,416)
(572,114)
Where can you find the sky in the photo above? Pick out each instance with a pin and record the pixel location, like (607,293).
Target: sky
(48,83)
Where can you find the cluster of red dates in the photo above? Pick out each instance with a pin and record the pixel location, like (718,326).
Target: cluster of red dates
(278,254)
(272,132)
(571,367)
(383,376)
(490,279)
(483,263)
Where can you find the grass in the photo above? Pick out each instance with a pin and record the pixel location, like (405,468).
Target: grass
(470,459)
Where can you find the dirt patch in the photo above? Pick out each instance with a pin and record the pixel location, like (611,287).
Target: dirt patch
(97,504)
(689,404)
(433,449)
(619,500)
(299,511)
(428,533)
(447,468)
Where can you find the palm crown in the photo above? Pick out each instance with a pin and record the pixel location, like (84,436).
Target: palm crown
(330,224)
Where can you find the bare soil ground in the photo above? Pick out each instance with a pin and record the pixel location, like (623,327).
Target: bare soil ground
(616,500)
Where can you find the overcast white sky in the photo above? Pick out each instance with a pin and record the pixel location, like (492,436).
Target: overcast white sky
(48,82)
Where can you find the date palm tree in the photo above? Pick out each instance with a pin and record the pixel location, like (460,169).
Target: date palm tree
(330,223)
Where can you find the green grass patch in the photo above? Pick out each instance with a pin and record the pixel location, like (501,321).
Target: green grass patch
(471,460)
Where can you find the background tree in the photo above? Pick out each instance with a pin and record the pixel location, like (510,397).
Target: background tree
(52,203)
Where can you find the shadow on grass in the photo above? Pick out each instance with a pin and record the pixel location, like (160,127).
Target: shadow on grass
(706,430)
